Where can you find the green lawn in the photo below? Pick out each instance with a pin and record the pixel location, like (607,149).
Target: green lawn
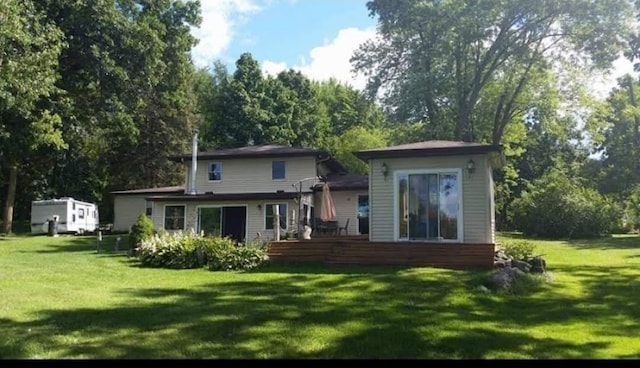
(59,298)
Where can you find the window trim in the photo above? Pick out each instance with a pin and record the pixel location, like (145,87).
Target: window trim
(209,171)
(164,217)
(284,170)
(444,170)
(267,205)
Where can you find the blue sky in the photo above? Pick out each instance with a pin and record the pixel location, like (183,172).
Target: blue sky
(316,37)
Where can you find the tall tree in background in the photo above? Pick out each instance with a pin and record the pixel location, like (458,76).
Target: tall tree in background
(434,59)
(618,122)
(247,108)
(29,50)
(240,106)
(128,76)
(162,100)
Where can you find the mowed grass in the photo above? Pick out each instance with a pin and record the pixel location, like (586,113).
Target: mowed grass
(59,298)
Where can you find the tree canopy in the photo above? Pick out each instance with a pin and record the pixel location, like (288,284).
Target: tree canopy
(437,60)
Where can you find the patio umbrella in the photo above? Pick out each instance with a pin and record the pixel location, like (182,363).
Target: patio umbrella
(328,210)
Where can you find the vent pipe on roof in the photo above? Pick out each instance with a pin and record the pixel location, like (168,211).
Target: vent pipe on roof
(194,162)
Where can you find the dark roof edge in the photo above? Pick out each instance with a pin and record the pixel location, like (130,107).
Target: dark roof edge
(159,190)
(227,196)
(213,155)
(443,151)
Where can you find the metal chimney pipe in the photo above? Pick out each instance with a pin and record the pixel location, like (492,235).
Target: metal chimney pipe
(194,162)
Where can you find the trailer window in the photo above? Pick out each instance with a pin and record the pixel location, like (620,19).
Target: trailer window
(81,213)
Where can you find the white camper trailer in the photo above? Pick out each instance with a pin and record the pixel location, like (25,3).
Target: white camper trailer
(73,216)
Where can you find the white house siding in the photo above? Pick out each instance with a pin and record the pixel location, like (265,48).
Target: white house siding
(475,194)
(126,209)
(492,204)
(253,175)
(346,203)
(255,215)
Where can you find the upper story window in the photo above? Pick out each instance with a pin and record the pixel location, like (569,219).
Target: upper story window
(215,171)
(278,170)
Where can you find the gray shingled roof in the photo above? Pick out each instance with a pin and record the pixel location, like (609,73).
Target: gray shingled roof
(428,148)
(160,190)
(266,150)
(349,181)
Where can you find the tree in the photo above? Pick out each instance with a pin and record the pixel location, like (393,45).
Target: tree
(355,139)
(617,125)
(435,59)
(239,104)
(128,80)
(30,46)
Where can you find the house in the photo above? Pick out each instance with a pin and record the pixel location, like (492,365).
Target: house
(426,204)
(433,191)
(233,192)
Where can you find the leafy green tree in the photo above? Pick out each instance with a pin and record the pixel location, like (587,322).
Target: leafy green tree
(616,123)
(29,50)
(556,206)
(242,117)
(355,139)
(435,59)
(347,107)
(129,86)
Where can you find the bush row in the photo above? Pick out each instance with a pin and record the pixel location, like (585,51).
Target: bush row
(182,250)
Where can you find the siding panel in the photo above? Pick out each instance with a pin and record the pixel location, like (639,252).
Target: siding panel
(126,209)
(476,195)
(253,175)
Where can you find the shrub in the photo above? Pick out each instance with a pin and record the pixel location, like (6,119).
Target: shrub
(554,206)
(519,249)
(239,257)
(181,250)
(141,230)
(178,250)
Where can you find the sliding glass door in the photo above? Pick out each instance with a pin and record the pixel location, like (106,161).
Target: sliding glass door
(428,206)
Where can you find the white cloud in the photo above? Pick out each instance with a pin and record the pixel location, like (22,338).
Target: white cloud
(602,85)
(273,68)
(330,60)
(219,19)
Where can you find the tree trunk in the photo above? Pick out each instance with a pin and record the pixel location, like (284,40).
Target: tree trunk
(11,198)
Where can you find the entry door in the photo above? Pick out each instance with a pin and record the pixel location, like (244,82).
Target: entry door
(363,213)
(234,222)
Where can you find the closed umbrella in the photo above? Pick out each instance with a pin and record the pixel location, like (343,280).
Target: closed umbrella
(328,210)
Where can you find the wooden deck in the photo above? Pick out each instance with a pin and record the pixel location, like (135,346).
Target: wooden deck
(358,250)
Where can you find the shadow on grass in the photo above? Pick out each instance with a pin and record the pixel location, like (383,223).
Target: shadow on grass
(411,313)
(626,241)
(611,242)
(86,243)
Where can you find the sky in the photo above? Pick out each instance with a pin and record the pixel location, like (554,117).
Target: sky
(316,37)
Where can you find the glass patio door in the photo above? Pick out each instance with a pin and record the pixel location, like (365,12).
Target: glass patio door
(210,220)
(428,206)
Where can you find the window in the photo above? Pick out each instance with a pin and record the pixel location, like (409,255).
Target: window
(149,210)
(278,170)
(269,218)
(215,171)
(81,213)
(428,206)
(174,218)
(210,220)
